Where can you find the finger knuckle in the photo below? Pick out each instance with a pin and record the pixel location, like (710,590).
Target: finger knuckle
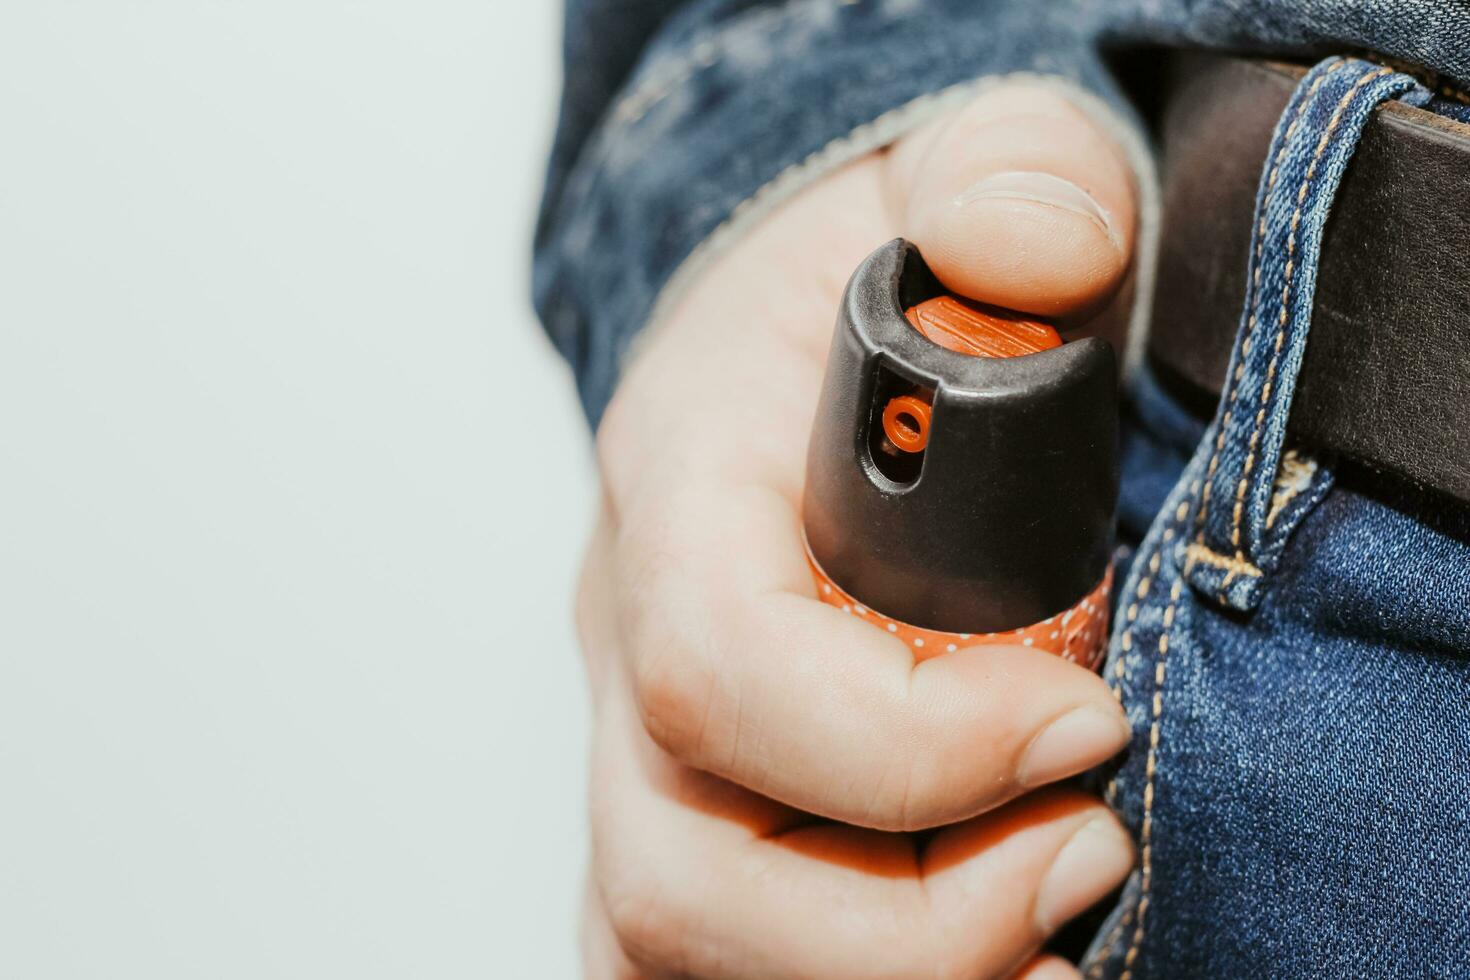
(649,923)
(646,910)
(673,691)
(666,616)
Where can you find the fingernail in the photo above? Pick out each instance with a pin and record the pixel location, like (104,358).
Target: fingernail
(1086,868)
(1045,189)
(1078,740)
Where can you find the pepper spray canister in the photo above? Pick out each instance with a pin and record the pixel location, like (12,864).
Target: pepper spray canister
(962,472)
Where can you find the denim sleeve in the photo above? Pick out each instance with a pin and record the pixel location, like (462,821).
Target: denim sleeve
(733,105)
(683,122)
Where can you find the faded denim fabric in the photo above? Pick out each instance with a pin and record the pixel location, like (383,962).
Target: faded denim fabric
(676,115)
(1292,647)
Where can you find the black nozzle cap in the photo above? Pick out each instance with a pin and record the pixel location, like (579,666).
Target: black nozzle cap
(1006,518)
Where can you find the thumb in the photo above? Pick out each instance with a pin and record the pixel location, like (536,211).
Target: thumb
(1020,200)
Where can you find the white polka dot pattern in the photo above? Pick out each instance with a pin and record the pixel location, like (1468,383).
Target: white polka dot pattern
(1077,634)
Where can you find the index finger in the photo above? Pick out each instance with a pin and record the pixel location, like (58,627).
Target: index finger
(739,670)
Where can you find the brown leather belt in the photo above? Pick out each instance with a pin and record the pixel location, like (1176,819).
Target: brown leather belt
(1386,377)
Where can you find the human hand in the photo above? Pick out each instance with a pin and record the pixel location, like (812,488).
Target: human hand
(760,759)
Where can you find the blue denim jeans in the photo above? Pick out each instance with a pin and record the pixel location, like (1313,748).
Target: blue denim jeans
(1291,648)
(683,122)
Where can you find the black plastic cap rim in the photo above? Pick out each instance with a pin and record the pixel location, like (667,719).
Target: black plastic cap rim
(1010,518)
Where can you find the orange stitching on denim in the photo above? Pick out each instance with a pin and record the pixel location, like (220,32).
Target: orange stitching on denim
(1233,566)
(1201,553)
(1294,476)
(1245,345)
(1141,594)
(1095,970)
(1144,585)
(1282,320)
(1146,834)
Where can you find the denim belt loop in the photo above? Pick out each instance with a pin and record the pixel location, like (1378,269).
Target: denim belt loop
(1253,494)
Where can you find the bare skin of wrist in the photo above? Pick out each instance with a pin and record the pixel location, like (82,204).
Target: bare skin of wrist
(761,761)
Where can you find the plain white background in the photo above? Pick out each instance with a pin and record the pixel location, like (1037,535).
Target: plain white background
(288,685)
